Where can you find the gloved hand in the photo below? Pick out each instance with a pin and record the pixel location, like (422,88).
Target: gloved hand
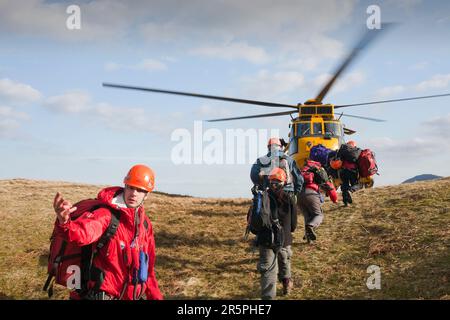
(333,195)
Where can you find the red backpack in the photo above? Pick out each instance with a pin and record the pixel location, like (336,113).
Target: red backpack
(367,165)
(69,264)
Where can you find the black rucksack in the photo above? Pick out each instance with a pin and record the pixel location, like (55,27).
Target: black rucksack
(262,220)
(349,153)
(260,214)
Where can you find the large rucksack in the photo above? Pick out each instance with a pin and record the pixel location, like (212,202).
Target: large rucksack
(313,172)
(259,216)
(70,265)
(320,154)
(349,153)
(367,165)
(265,164)
(263,221)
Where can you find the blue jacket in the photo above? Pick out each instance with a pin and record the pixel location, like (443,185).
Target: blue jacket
(264,163)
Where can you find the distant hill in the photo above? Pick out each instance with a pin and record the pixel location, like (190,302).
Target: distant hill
(422,177)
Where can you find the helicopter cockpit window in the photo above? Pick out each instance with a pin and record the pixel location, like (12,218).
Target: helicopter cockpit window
(332,129)
(303,129)
(317,127)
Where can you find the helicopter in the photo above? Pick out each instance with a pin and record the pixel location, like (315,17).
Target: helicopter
(316,122)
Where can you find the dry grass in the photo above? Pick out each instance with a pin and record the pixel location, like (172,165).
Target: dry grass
(200,253)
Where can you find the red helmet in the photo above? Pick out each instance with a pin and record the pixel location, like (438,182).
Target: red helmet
(277,174)
(274,141)
(351,143)
(140,176)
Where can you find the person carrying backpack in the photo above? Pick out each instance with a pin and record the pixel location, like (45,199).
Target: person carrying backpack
(122,267)
(311,200)
(276,158)
(349,153)
(274,236)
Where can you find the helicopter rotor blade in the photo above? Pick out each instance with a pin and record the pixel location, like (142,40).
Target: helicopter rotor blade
(367,38)
(364,118)
(393,100)
(189,94)
(276,114)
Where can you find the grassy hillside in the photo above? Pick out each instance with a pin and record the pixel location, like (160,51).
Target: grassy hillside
(200,252)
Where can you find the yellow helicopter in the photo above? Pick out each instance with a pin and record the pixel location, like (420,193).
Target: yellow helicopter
(316,122)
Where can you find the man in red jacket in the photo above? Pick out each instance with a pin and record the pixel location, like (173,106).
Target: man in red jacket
(124,267)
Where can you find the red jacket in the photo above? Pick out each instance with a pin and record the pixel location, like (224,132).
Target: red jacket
(117,258)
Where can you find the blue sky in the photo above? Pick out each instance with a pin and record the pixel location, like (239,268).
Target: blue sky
(58,123)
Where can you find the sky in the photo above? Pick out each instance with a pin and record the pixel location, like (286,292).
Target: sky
(57,121)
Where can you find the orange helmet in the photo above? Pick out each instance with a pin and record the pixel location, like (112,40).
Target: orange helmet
(351,143)
(336,164)
(274,141)
(140,176)
(277,174)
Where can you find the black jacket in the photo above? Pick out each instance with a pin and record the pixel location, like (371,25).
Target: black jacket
(282,206)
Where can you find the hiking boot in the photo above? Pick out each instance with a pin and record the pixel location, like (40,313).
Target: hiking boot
(287,286)
(310,235)
(346,198)
(350,200)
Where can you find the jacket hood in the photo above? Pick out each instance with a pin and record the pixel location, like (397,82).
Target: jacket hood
(107,194)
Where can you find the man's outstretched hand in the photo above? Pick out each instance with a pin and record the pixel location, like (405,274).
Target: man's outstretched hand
(63,208)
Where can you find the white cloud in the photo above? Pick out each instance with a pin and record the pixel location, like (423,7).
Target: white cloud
(404,4)
(16,92)
(439,127)
(145,65)
(114,117)
(419,65)
(348,81)
(275,23)
(272,22)
(438,81)
(112,66)
(70,102)
(104,19)
(308,63)
(407,148)
(10,121)
(390,91)
(234,50)
(8,112)
(207,111)
(268,85)
(151,65)
(8,127)
(435,136)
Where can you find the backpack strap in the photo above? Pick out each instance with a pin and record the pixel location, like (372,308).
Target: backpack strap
(111,230)
(89,272)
